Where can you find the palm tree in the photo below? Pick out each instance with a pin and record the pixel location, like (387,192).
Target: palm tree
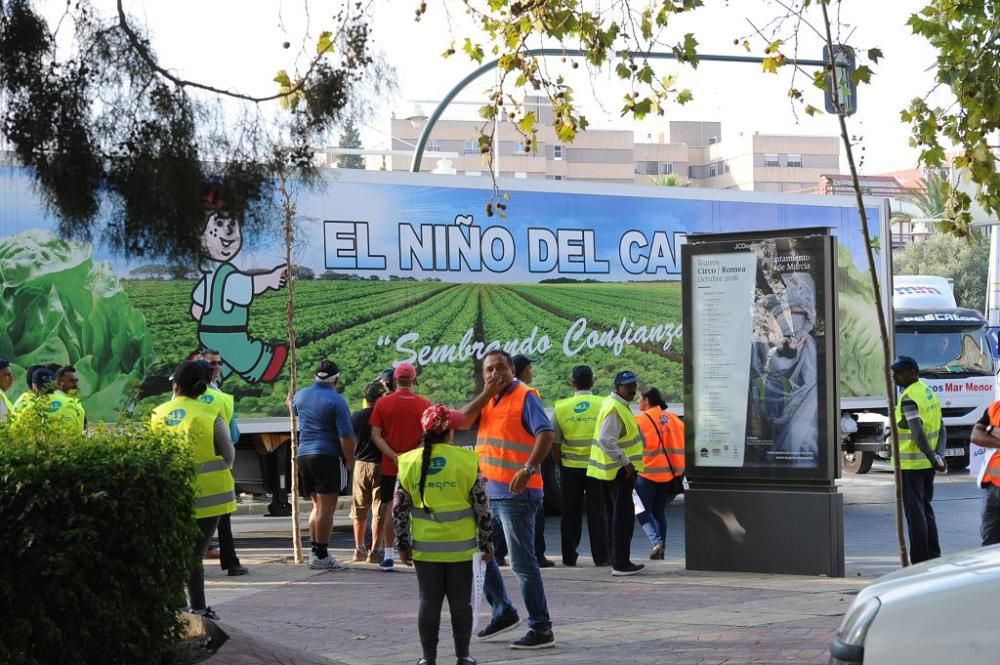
(932,197)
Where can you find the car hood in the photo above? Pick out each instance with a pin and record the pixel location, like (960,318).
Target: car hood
(972,566)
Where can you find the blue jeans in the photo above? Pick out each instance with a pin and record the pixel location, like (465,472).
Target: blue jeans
(655,498)
(518,519)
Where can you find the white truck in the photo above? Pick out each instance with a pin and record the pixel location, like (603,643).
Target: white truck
(952,347)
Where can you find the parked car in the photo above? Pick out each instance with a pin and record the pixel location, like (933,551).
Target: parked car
(934,612)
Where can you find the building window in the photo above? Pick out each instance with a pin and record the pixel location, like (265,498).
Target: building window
(471,148)
(519,148)
(712,171)
(712,140)
(794,161)
(474,173)
(771,159)
(557,177)
(690,172)
(667,168)
(434,145)
(651,168)
(520,174)
(557,152)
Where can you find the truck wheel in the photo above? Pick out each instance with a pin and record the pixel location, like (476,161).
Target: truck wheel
(957,463)
(860,461)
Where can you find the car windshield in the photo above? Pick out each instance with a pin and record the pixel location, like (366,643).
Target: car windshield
(947,351)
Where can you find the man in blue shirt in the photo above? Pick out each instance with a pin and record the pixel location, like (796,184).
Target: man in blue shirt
(514,502)
(325,456)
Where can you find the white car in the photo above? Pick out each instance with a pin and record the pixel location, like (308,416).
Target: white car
(931,613)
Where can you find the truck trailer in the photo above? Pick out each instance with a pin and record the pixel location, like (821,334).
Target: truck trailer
(394,267)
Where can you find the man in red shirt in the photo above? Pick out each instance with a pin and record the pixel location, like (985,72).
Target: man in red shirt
(396,429)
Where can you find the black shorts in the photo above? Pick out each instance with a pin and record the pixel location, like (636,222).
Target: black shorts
(388,489)
(322,474)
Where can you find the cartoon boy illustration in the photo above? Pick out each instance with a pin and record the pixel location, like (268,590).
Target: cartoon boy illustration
(221,304)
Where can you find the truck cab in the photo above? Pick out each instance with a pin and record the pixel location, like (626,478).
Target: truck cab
(952,346)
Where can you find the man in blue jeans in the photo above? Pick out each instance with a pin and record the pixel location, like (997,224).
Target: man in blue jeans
(514,437)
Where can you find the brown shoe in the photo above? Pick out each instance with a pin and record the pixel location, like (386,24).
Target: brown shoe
(211,553)
(376,556)
(359,556)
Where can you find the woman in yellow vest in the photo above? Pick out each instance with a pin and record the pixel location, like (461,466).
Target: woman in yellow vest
(442,519)
(663,458)
(213,454)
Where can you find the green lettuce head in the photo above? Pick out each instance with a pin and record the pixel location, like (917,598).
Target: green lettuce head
(59,306)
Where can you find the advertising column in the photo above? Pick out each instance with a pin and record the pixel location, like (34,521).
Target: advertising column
(761,403)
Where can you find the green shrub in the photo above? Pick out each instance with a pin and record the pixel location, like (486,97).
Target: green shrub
(97,543)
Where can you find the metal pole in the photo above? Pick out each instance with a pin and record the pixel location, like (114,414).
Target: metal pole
(425,132)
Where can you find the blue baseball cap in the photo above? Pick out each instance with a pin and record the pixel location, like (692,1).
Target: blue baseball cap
(622,378)
(905,362)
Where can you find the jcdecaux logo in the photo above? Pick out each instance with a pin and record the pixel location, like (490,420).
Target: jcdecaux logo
(437,465)
(581,407)
(175,417)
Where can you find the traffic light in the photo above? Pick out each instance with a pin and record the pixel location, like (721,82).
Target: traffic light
(847,90)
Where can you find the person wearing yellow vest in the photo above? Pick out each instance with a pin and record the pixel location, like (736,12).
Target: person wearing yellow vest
(921,434)
(54,405)
(615,459)
(514,436)
(211,364)
(575,423)
(6,382)
(68,388)
(213,454)
(442,519)
(661,480)
(986,433)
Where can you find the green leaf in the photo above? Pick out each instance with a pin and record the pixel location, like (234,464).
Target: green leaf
(324,43)
(863,74)
(281,78)
(527,123)
(474,51)
(684,96)
(875,54)
(811,110)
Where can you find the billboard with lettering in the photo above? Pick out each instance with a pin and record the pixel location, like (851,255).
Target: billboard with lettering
(401,267)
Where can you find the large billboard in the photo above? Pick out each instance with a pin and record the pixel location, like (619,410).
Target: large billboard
(400,267)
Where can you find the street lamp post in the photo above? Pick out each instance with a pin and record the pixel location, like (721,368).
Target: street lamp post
(425,132)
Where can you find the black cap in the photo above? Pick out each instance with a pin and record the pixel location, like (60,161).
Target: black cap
(520,362)
(582,374)
(327,370)
(4,363)
(42,376)
(905,362)
(621,378)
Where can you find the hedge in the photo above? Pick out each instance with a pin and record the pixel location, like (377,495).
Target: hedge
(97,543)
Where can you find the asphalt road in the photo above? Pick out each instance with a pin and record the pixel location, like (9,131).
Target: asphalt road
(870,533)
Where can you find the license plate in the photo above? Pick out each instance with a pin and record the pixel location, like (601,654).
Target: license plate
(954,452)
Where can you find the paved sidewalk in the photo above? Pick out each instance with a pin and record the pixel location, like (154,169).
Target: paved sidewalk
(363,616)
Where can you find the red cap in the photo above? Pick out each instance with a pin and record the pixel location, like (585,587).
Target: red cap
(405,371)
(439,418)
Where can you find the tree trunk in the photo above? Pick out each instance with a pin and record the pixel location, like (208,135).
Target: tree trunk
(288,210)
(873,273)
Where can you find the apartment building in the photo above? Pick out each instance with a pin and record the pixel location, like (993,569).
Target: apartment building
(692,151)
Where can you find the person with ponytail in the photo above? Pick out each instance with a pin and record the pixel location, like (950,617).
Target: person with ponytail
(663,457)
(442,519)
(208,434)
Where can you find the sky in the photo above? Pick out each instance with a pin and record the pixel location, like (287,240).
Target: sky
(238,44)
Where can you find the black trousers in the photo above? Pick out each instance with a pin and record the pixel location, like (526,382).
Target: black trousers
(621,508)
(500,540)
(578,491)
(437,580)
(227,546)
(196,581)
(918,492)
(990,527)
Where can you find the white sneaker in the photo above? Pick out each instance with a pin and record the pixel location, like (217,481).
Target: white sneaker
(328,563)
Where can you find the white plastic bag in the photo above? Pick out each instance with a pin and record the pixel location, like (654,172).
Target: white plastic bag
(478,580)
